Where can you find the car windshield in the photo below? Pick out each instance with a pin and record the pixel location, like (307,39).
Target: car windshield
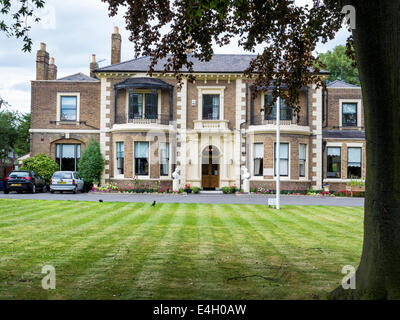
(62,175)
(19,174)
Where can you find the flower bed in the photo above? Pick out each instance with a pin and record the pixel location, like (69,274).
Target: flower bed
(227,190)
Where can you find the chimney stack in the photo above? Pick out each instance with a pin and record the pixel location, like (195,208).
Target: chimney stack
(42,63)
(52,73)
(93,66)
(115,47)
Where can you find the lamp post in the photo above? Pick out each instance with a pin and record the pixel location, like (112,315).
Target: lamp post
(277,153)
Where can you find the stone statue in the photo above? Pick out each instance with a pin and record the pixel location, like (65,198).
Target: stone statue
(175,182)
(175,174)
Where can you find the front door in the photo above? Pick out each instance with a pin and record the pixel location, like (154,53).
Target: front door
(210,170)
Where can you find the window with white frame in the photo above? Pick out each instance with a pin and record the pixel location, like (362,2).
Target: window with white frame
(302,159)
(258,155)
(284,159)
(141,158)
(349,114)
(354,163)
(68,108)
(164,158)
(334,160)
(68,156)
(120,158)
(143,105)
(211,105)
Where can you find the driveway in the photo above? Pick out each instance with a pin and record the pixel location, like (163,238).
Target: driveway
(192,198)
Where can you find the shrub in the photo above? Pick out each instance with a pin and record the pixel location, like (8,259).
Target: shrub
(196,189)
(91,164)
(42,165)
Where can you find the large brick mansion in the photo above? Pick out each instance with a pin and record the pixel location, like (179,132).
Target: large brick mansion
(211,128)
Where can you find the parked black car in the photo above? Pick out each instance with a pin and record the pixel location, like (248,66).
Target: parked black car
(24,181)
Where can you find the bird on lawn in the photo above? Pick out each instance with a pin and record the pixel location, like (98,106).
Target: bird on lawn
(100,200)
(154,203)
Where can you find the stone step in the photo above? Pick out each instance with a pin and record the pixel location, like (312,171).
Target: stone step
(211,192)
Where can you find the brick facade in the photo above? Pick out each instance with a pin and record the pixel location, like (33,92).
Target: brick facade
(103,115)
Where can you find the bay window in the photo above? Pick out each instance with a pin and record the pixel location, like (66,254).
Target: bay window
(141,158)
(164,158)
(284,159)
(258,159)
(302,159)
(120,158)
(334,162)
(354,163)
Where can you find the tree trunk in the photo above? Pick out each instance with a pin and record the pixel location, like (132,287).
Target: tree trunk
(377,46)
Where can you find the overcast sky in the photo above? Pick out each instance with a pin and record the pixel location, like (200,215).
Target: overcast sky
(73,30)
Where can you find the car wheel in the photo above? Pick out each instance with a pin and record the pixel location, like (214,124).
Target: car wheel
(6,191)
(33,188)
(19,192)
(61,191)
(51,191)
(44,189)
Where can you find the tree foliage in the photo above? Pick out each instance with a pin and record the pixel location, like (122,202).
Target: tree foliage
(14,133)
(91,164)
(8,132)
(42,165)
(15,16)
(287,32)
(340,65)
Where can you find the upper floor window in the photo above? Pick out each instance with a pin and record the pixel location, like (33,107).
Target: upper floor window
(334,161)
(211,106)
(354,163)
(349,114)
(286,112)
(69,106)
(120,157)
(143,105)
(258,159)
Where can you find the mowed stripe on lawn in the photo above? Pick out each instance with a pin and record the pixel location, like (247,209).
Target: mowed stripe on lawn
(174,251)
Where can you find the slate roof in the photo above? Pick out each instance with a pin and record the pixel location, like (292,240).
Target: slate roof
(219,63)
(343,134)
(77,77)
(341,84)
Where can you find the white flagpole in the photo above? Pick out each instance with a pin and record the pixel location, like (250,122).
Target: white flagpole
(278,155)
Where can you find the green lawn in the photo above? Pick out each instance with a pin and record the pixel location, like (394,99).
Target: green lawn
(175,251)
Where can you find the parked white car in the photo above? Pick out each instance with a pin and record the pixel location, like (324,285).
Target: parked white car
(66,181)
